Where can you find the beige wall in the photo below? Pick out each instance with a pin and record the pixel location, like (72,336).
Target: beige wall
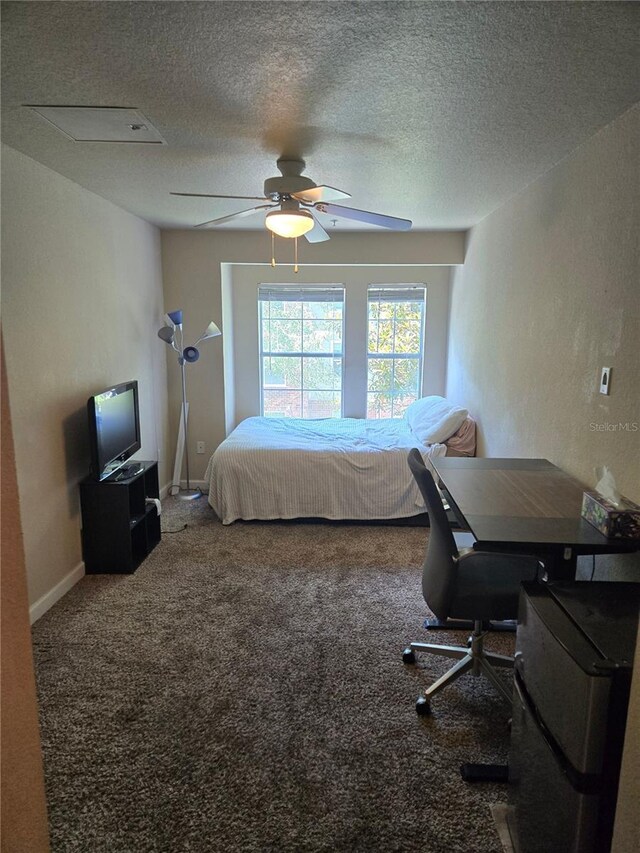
(194,265)
(81,304)
(550,293)
(242,317)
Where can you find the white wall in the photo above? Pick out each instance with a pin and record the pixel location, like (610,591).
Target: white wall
(549,294)
(195,264)
(81,305)
(240,315)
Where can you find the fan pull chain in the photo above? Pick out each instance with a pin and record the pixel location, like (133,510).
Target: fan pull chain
(295,254)
(273,249)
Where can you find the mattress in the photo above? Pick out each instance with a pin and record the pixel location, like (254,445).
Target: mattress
(344,468)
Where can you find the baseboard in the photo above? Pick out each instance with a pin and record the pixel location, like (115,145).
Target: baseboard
(45,602)
(203,485)
(198,484)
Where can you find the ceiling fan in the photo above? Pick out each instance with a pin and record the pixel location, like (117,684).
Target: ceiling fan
(291,200)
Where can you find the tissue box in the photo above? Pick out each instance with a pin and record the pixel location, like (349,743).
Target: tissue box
(621,521)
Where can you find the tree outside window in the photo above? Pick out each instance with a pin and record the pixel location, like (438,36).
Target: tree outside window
(395,349)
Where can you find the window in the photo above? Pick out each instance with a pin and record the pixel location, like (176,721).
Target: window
(395,349)
(301,333)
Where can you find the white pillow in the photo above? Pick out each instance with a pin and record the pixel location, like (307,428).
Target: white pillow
(434,419)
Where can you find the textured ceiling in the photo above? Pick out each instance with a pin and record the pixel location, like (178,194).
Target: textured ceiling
(437,112)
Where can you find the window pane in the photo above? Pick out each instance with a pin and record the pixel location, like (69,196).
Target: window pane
(321,404)
(322,310)
(298,384)
(379,405)
(384,340)
(407,337)
(401,402)
(380,374)
(281,335)
(373,335)
(409,310)
(386,310)
(281,403)
(406,376)
(322,374)
(281,370)
(276,308)
(322,335)
(387,405)
(395,329)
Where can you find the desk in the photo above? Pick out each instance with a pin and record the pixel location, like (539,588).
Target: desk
(525,505)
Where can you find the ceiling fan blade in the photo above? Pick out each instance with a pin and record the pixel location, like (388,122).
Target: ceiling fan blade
(364,216)
(213,195)
(239,215)
(321,193)
(317,233)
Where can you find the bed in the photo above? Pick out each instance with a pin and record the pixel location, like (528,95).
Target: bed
(332,468)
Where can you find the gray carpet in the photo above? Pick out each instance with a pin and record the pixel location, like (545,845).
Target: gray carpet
(244,691)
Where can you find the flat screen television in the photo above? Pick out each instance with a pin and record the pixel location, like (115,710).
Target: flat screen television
(114,428)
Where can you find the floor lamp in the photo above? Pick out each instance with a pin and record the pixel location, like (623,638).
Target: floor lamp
(186,355)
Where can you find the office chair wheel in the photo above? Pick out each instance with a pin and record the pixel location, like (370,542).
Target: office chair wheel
(423,707)
(408,656)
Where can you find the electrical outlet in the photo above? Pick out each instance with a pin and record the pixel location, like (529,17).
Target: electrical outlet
(200,447)
(605,380)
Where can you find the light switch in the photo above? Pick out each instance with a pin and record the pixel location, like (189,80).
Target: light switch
(605,380)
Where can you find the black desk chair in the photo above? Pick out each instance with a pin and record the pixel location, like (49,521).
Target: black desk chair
(464,584)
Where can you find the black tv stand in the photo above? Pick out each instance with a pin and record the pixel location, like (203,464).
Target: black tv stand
(127,471)
(119,527)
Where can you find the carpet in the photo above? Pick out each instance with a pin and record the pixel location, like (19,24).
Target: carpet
(244,691)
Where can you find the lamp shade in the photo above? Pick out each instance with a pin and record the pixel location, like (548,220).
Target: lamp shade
(167,334)
(175,317)
(190,354)
(212,331)
(289,223)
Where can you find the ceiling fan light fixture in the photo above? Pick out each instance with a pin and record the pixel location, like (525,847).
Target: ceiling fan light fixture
(289,223)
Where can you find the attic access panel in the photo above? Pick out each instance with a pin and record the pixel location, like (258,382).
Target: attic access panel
(100,124)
